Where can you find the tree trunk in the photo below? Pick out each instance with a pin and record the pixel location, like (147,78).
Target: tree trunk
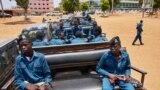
(25,14)
(2,8)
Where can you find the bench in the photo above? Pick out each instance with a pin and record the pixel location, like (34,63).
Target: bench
(71,47)
(76,71)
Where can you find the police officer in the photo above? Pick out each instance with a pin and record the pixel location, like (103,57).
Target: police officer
(76,28)
(139,32)
(61,29)
(39,39)
(58,41)
(97,35)
(115,67)
(78,38)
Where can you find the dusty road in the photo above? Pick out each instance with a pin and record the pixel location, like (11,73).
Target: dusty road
(146,57)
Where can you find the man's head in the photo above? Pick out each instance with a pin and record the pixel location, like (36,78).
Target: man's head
(39,35)
(94,24)
(141,21)
(75,23)
(60,35)
(78,34)
(97,31)
(26,46)
(115,45)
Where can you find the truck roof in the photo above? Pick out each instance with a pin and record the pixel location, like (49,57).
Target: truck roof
(5,41)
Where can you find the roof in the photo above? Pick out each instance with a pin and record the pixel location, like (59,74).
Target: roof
(5,41)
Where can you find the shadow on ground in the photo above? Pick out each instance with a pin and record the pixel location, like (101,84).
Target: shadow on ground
(28,21)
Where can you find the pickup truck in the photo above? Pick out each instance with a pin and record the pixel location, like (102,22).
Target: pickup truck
(72,66)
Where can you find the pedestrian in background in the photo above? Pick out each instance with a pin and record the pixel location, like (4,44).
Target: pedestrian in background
(139,32)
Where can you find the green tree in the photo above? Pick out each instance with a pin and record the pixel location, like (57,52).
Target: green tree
(156,5)
(115,2)
(23,4)
(104,5)
(70,5)
(140,3)
(84,6)
(2,8)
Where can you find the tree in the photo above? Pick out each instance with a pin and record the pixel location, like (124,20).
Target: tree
(156,5)
(104,5)
(2,8)
(115,2)
(70,5)
(24,4)
(84,6)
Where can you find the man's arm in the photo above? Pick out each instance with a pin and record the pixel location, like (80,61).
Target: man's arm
(46,71)
(128,66)
(19,81)
(100,65)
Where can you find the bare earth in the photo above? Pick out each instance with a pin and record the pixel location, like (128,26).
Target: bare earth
(146,57)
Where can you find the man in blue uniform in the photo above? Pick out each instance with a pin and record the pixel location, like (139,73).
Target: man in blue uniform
(58,41)
(97,35)
(31,70)
(78,39)
(76,28)
(115,66)
(139,32)
(39,39)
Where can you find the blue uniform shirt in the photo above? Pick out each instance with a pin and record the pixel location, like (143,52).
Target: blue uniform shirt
(108,64)
(56,42)
(99,39)
(77,41)
(34,71)
(39,43)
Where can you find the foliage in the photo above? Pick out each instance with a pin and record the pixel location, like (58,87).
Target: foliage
(116,2)
(104,5)
(140,3)
(24,4)
(70,5)
(84,6)
(156,5)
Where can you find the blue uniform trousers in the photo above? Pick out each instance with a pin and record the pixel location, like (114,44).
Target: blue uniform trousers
(138,36)
(106,85)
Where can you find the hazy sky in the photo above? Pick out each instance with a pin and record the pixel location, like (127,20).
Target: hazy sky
(7,4)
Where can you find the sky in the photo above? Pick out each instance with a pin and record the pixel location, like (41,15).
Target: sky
(7,4)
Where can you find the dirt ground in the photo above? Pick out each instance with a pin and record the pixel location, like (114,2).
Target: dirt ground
(145,57)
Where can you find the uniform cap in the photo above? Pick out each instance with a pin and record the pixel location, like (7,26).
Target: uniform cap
(115,40)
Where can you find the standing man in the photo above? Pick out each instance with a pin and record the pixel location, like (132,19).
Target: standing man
(31,71)
(115,67)
(139,32)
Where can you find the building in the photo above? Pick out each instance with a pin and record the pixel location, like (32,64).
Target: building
(124,4)
(40,6)
(128,4)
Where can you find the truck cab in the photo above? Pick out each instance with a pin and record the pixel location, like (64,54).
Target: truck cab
(8,52)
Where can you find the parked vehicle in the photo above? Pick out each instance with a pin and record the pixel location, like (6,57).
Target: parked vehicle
(8,52)
(5,15)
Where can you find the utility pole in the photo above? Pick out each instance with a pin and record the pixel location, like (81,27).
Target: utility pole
(112,6)
(2,8)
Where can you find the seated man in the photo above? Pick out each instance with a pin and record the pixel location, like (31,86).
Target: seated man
(31,71)
(61,29)
(115,67)
(76,28)
(58,41)
(78,39)
(97,35)
(39,39)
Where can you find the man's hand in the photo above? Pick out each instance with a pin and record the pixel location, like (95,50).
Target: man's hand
(112,78)
(47,87)
(31,87)
(127,79)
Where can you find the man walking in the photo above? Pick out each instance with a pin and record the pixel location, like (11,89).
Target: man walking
(139,31)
